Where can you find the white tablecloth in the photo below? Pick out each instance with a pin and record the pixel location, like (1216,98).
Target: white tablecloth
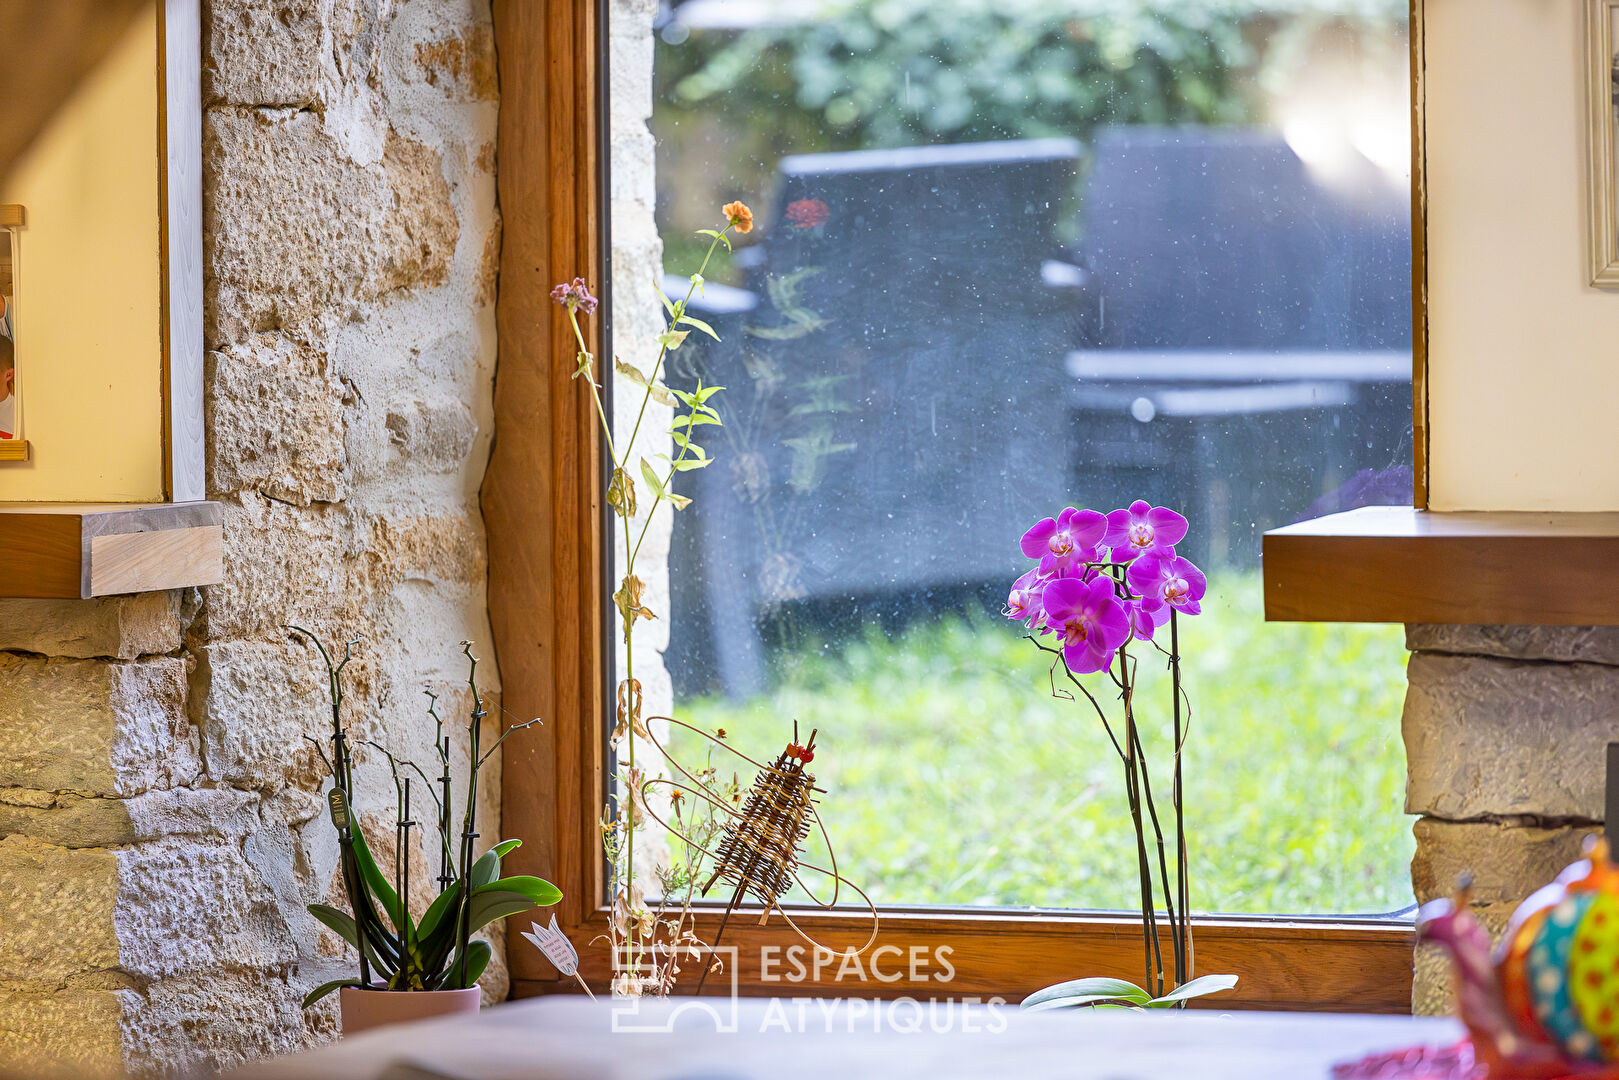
(570,1038)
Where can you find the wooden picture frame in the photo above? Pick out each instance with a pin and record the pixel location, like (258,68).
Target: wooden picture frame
(1601,89)
(547,529)
(13,447)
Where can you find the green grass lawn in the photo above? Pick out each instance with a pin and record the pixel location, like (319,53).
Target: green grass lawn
(955,777)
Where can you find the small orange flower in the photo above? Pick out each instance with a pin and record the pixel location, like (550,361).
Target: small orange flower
(739,216)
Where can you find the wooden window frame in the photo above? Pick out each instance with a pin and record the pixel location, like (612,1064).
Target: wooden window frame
(546,527)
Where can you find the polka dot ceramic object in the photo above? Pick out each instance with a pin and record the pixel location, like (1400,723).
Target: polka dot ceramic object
(1513,966)
(1549,984)
(1594,974)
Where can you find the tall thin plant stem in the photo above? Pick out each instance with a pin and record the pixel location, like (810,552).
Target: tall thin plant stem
(1182,882)
(620,454)
(1132,790)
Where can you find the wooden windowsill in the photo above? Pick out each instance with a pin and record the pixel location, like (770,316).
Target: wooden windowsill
(1395,564)
(82,550)
(1303,964)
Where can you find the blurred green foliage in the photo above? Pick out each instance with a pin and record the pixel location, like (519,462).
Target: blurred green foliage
(955,777)
(882,73)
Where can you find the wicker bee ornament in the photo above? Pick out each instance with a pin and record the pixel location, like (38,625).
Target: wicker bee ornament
(760,848)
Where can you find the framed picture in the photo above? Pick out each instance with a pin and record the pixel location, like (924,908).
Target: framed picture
(12,447)
(1602,106)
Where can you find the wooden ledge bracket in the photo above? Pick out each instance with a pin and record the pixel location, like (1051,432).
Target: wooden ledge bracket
(77,551)
(1394,564)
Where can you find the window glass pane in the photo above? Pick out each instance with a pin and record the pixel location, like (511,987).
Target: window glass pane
(1012,256)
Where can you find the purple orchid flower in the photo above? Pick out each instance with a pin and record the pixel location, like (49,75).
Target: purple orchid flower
(1066,540)
(1144,623)
(1171,581)
(1025,603)
(1089,619)
(1143,529)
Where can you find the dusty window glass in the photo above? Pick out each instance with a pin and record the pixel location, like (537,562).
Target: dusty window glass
(1013,256)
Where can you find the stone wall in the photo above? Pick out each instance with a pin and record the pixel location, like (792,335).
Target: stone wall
(1506,729)
(161,824)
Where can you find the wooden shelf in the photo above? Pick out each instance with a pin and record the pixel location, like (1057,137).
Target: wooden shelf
(81,550)
(1399,565)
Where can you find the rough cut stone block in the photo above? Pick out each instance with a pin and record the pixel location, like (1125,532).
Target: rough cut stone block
(95,725)
(218,1020)
(1432,987)
(461,65)
(1503,737)
(1507,863)
(124,627)
(77,1030)
(1587,644)
(186,907)
(284,565)
(265,54)
(56,908)
(301,230)
(76,821)
(258,701)
(69,821)
(275,421)
(437,434)
(213,812)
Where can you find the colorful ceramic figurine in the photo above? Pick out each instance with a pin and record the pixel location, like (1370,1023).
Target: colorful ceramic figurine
(1543,1005)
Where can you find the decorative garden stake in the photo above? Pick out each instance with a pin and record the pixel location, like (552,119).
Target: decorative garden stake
(1544,1004)
(1101,584)
(551,941)
(414,959)
(761,845)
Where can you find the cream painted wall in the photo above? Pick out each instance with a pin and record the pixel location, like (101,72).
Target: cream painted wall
(1523,354)
(89,344)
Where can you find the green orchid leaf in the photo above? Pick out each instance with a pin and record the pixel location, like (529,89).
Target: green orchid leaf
(376,883)
(1198,987)
(477,959)
(487,907)
(326,988)
(340,923)
(431,918)
(485,870)
(506,847)
(1086,992)
(541,892)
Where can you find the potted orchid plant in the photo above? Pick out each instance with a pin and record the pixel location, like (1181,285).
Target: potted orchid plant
(1102,593)
(410,967)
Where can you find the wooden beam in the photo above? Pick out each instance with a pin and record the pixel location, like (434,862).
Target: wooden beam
(541,493)
(77,551)
(1401,565)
